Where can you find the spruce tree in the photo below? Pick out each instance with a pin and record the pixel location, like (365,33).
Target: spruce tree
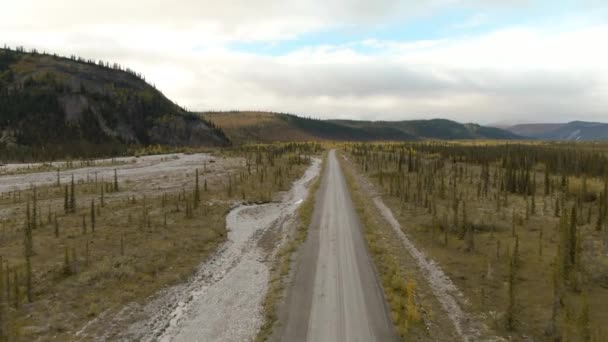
(572,239)
(34,221)
(93,216)
(67,270)
(66,200)
(72,196)
(115,180)
(102,198)
(197,194)
(16,294)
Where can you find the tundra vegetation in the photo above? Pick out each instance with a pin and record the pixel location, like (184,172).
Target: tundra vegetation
(76,251)
(521,228)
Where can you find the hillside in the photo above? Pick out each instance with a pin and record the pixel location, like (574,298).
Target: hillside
(435,129)
(575,130)
(266,127)
(70,105)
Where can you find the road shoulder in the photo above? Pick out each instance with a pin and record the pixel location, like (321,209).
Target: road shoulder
(295,288)
(418,316)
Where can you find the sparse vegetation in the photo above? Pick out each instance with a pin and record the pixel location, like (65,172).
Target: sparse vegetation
(58,266)
(504,221)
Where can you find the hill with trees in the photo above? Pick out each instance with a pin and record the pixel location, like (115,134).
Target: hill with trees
(57,106)
(267,127)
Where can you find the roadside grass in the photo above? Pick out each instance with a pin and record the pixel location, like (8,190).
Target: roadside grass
(145,238)
(399,289)
(283,259)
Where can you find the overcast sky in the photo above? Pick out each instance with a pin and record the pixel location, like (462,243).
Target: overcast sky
(487,61)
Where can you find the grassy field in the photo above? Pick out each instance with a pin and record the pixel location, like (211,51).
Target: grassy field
(502,248)
(123,241)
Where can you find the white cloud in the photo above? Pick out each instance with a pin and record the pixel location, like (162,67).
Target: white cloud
(519,73)
(482,79)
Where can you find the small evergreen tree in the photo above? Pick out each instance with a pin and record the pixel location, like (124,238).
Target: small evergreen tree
(72,196)
(93,216)
(197,194)
(66,201)
(115,180)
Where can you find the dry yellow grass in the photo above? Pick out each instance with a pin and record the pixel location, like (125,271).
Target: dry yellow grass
(255,127)
(232,120)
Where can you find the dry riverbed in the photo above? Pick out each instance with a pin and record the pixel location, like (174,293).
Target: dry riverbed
(94,275)
(223,300)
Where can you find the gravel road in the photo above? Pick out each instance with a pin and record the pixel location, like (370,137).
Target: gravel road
(335,294)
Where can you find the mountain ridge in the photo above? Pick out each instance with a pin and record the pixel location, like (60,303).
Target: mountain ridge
(257,126)
(570,131)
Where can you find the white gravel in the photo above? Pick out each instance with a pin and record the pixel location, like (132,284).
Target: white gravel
(223,300)
(444,289)
(147,168)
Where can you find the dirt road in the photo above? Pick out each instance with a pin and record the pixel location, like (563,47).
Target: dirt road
(335,294)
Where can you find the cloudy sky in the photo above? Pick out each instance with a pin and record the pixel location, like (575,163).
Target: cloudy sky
(488,61)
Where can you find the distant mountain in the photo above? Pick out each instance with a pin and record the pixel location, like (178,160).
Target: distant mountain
(575,131)
(266,127)
(63,103)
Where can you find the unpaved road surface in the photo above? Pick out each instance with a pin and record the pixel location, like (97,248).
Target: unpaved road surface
(335,295)
(223,300)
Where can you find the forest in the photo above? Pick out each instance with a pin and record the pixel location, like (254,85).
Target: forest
(55,107)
